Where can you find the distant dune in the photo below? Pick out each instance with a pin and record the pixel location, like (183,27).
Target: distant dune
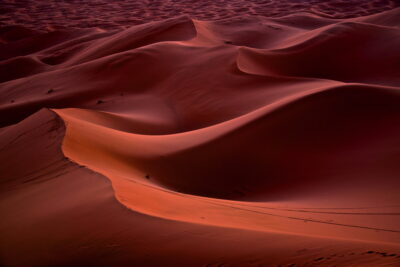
(237,133)
(43,14)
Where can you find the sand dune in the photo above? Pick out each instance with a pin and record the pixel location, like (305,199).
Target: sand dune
(43,14)
(245,141)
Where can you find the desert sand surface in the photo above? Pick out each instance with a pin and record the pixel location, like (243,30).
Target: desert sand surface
(200,133)
(43,14)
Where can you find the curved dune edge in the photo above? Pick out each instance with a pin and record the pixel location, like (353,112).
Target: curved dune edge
(72,213)
(153,199)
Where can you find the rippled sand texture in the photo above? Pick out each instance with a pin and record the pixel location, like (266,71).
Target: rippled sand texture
(247,141)
(106,14)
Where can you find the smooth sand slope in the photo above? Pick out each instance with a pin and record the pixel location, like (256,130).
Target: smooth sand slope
(247,141)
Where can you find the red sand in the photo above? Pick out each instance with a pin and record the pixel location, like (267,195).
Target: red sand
(248,141)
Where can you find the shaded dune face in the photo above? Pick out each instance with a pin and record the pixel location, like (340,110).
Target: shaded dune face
(285,127)
(284,154)
(338,134)
(336,52)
